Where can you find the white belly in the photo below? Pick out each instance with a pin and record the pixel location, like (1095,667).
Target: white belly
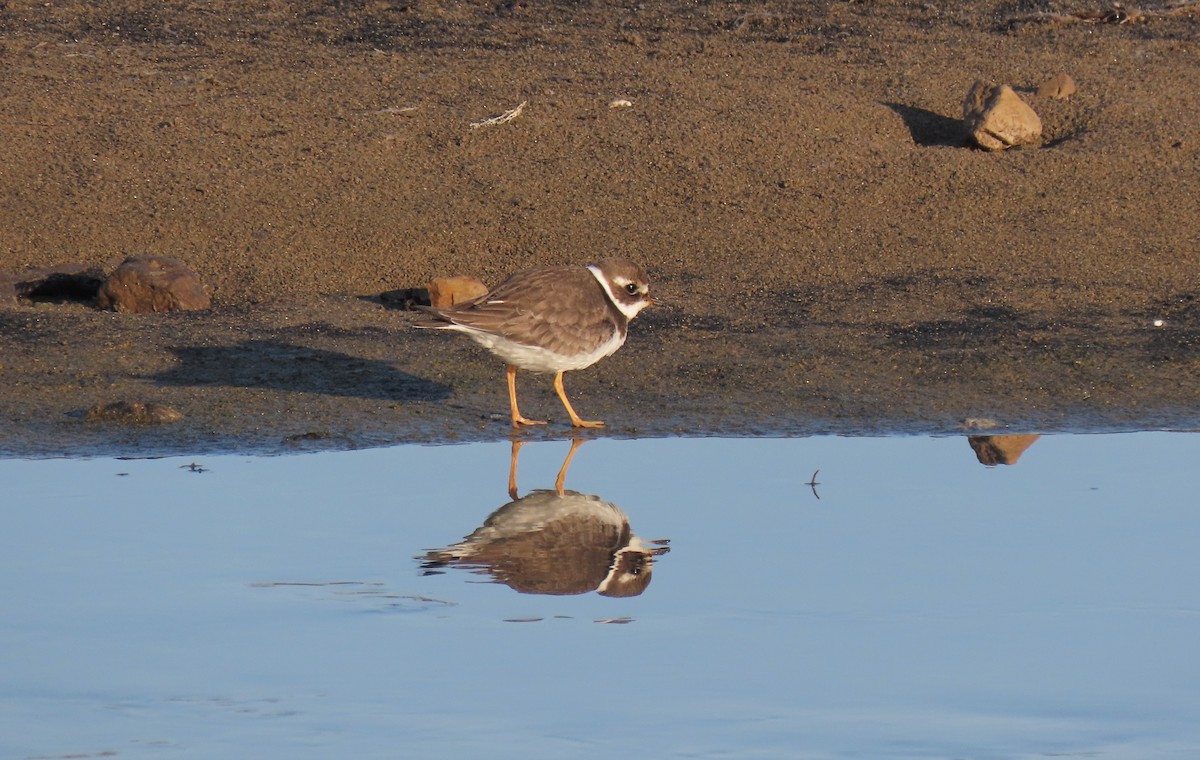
(536,359)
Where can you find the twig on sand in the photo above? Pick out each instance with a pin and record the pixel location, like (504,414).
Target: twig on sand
(506,116)
(1117,14)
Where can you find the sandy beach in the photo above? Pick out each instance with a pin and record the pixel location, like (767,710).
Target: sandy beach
(794,177)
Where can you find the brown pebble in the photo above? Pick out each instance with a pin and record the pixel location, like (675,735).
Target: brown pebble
(152,284)
(135,413)
(1061,87)
(447,291)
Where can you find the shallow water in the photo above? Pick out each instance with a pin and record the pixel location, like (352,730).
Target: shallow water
(913,604)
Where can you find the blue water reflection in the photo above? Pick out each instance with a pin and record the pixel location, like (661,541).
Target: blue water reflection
(925,605)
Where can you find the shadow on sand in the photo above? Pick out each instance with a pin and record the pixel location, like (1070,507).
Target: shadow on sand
(929,129)
(282,366)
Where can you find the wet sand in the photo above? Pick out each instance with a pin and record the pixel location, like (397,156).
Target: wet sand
(793,176)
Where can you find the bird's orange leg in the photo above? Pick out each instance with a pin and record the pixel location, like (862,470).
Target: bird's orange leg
(562,472)
(575,419)
(517,419)
(512,469)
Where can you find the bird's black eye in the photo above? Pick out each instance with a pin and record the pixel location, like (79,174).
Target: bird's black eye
(631,288)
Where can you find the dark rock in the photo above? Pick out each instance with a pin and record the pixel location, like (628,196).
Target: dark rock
(153,283)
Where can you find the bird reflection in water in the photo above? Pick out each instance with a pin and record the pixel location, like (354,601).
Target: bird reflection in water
(554,542)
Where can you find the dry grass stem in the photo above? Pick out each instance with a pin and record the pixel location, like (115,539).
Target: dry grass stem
(502,118)
(1117,14)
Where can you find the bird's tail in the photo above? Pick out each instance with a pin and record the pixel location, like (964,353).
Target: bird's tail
(429,317)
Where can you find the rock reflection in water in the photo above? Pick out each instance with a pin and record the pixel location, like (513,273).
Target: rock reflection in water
(554,541)
(992,450)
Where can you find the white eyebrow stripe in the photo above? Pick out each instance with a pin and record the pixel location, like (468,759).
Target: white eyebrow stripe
(607,291)
(630,310)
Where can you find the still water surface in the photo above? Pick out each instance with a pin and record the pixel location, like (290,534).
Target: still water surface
(913,604)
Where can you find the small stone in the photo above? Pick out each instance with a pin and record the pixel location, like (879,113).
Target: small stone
(135,413)
(447,291)
(996,118)
(1059,87)
(150,284)
(1000,449)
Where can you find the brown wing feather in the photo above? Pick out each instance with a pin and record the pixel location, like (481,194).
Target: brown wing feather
(559,308)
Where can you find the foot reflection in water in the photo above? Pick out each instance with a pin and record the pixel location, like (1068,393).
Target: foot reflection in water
(554,542)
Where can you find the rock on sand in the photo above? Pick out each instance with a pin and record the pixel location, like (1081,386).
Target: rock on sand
(152,283)
(996,118)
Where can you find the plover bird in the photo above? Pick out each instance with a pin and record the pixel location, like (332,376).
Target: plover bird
(551,319)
